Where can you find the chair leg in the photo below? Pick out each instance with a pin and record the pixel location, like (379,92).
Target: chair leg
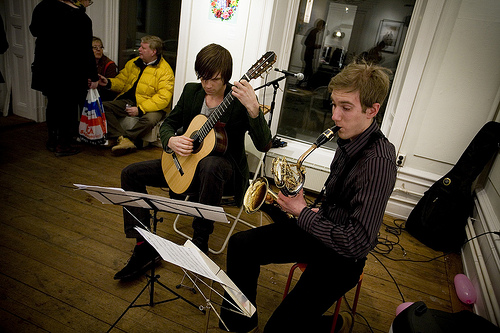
(354,304)
(175,223)
(356,296)
(336,314)
(302,267)
(289,280)
(236,220)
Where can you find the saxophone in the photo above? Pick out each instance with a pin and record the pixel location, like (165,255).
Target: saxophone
(288,177)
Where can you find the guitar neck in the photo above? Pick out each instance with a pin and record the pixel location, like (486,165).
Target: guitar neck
(214,117)
(257,69)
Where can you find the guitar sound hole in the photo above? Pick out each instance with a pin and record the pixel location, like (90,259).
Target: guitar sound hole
(197,145)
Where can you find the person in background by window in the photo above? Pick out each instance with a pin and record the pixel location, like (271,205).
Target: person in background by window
(312,45)
(63,79)
(373,55)
(105,67)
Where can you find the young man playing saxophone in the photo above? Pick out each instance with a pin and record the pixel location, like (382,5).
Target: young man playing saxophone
(332,240)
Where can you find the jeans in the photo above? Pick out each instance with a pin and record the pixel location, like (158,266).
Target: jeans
(213,177)
(327,277)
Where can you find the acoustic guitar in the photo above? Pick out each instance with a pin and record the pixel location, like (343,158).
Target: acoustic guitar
(179,170)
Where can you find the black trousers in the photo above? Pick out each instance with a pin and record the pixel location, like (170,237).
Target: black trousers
(327,277)
(213,177)
(63,116)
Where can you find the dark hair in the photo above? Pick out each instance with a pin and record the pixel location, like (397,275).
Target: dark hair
(211,60)
(371,81)
(97,39)
(155,43)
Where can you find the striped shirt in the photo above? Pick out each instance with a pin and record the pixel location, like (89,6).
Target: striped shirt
(351,225)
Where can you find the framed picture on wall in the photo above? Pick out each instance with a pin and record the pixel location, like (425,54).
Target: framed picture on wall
(390,33)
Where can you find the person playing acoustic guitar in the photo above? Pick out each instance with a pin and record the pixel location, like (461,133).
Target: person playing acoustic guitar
(216,174)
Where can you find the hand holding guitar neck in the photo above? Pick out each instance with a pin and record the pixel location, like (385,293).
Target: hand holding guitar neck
(245,93)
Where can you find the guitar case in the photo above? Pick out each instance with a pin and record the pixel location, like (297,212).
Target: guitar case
(418,318)
(439,218)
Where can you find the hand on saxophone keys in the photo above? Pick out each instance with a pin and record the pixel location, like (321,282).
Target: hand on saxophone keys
(292,204)
(289,178)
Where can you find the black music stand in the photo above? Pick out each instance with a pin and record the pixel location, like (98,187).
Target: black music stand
(117,196)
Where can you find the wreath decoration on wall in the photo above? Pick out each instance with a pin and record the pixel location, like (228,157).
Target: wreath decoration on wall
(224,9)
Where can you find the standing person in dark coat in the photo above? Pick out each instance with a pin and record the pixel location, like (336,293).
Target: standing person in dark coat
(62,25)
(312,45)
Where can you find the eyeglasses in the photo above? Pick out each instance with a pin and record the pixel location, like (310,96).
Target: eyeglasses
(98,48)
(90,2)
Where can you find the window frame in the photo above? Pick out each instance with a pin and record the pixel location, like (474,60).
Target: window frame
(414,55)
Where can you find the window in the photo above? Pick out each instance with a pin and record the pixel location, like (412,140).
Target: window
(149,17)
(336,34)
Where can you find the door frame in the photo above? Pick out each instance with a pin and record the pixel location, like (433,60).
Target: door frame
(26,102)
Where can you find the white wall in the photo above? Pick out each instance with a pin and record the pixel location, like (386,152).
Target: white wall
(457,94)
(104,15)
(245,36)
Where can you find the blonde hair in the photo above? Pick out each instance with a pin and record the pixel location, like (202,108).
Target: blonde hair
(155,43)
(371,81)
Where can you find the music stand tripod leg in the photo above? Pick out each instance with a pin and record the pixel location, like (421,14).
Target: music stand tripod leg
(152,278)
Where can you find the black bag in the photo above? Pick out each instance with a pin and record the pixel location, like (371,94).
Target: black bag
(439,218)
(418,318)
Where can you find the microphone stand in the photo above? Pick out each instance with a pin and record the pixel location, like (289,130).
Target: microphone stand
(275,85)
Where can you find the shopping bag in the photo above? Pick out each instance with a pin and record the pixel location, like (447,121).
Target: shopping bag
(93,127)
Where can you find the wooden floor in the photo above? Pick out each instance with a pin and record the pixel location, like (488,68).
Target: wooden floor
(60,248)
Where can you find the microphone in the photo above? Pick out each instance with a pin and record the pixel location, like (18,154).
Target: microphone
(299,76)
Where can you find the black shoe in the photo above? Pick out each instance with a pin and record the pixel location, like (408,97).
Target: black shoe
(65,151)
(143,257)
(51,145)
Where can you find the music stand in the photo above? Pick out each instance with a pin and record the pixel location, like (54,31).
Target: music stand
(118,196)
(191,259)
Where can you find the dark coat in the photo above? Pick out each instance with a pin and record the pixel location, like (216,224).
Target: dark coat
(64,60)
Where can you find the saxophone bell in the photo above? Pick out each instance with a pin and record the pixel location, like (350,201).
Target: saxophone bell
(257,193)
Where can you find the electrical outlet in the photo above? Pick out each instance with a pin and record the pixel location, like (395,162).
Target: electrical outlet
(400,161)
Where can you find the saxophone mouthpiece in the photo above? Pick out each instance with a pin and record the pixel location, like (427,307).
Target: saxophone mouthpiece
(326,136)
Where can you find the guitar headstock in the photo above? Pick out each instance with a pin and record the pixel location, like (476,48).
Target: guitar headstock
(262,65)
